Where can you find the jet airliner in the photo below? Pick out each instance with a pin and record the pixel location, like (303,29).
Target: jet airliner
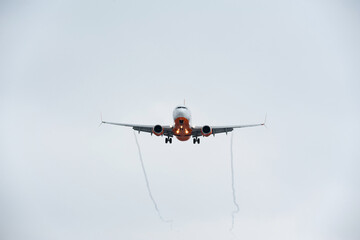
(182,128)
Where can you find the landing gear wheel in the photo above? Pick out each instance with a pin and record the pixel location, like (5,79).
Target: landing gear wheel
(168,140)
(198,140)
(194,140)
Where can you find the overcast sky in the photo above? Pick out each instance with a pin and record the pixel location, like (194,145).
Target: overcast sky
(62,63)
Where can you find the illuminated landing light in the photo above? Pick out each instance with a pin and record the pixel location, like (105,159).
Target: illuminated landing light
(177,131)
(186,131)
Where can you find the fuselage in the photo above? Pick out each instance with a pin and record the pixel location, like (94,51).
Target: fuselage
(182,123)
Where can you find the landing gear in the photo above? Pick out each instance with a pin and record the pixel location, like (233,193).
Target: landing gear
(196,140)
(168,140)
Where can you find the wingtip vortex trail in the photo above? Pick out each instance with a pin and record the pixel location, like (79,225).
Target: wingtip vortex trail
(148,185)
(237,208)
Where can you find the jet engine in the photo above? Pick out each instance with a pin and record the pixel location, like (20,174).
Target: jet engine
(158,130)
(206,131)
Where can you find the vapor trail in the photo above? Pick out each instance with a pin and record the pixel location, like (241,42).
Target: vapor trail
(148,185)
(233,184)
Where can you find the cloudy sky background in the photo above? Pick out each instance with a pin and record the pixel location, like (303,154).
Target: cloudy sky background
(64,62)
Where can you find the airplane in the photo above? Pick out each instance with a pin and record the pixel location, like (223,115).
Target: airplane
(182,128)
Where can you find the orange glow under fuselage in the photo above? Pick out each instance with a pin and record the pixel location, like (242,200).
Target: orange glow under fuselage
(182,129)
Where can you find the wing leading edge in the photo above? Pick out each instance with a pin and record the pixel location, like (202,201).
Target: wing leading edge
(143,128)
(224,129)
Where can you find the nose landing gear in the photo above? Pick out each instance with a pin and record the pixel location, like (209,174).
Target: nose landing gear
(196,140)
(168,140)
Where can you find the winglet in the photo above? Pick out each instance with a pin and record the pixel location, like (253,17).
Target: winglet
(101,120)
(264,124)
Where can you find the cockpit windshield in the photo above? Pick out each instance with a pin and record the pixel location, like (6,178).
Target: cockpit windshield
(181,107)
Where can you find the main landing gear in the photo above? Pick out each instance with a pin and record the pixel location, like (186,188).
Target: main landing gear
(168,140)
(196,140)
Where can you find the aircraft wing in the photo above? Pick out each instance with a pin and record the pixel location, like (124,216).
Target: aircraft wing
(143,128)
(223,129)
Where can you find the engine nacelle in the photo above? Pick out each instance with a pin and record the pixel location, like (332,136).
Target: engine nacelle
(158,130)
(206,131)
